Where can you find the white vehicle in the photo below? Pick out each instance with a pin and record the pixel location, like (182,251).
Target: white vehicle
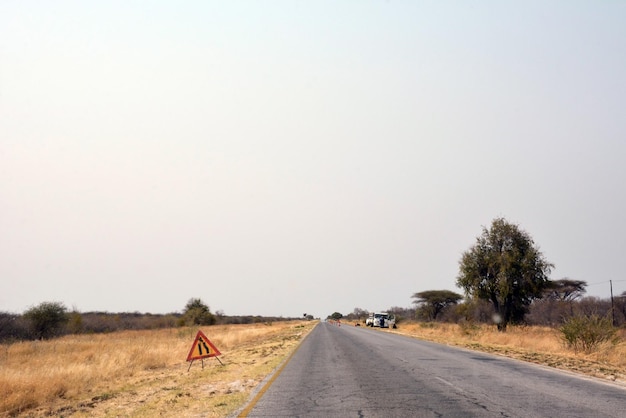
(381,319)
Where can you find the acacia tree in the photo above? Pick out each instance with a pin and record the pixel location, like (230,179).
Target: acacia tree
(562,293)
(566,290)
(434,302)
(360,313)
(198,313)
(47,319)
(507,269)
(336,316)
(357,314)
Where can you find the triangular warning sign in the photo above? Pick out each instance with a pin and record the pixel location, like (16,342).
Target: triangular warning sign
(202,348)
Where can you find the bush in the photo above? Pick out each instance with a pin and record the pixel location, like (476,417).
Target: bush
(586,333)
(47,320)
(198,313)
(13,327)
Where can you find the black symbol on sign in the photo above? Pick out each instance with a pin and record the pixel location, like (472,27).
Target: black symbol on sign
(206,347)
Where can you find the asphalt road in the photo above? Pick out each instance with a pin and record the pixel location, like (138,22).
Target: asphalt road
(352,371)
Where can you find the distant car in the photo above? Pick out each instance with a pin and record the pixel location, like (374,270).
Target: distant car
(381,319)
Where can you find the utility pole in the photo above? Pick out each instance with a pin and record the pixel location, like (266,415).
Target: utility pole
(612,304)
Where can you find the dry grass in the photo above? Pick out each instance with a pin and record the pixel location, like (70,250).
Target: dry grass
(144,373)
(541,345)
(141,373)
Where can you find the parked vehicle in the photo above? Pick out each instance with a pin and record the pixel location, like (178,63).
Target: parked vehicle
(381,319)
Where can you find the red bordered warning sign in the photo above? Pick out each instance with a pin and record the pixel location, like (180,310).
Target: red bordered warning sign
(202,348)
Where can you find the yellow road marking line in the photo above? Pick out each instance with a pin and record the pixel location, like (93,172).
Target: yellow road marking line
(267,385)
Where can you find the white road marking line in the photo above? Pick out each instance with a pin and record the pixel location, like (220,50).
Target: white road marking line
(450,384)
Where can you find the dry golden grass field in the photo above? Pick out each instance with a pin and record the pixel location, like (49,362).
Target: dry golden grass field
(541,345)
(144,373)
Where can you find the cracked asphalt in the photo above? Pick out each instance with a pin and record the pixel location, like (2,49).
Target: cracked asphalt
(352,371)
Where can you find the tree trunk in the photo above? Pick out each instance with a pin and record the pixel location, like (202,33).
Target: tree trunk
(499,314)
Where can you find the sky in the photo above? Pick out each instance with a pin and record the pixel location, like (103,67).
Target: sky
(286,157)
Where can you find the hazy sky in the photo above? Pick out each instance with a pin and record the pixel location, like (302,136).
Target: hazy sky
(282,157)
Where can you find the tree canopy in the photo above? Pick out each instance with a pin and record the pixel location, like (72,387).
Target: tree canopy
(566,290)
(431,303)
(47,319)
(505,267)
(336,316)
(198,313)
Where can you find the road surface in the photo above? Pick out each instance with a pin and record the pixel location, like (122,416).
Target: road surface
(352,371)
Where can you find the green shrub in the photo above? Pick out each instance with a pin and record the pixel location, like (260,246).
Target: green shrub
(47,319)
(198,313)
(586,333)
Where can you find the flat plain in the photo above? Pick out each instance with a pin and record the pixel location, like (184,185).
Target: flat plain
(142,373)
(145,373)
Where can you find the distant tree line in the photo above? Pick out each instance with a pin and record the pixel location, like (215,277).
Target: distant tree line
(549,310)
(546,311)
(505,278)
(52,319)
